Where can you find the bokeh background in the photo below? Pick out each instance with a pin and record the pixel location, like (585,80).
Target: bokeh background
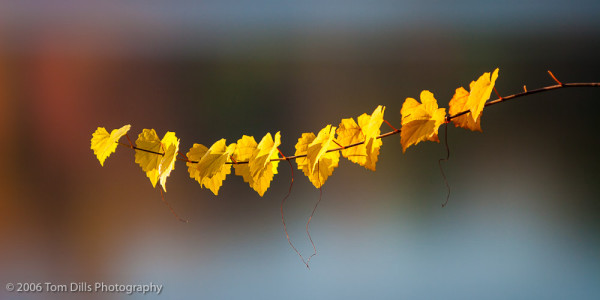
(522,221)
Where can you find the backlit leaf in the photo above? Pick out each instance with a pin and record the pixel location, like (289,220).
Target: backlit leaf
(259,170)
(318,164)
(480,93)
(149,140)
(243,152)
(194,156)
(350,133)
(420,121)
(210,166)
(473,101)
(367,130)
(167,163)
(262,168)
(159,159)
(457,105)
(104,143)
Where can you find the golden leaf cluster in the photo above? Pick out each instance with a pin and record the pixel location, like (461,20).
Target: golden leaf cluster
(316,155)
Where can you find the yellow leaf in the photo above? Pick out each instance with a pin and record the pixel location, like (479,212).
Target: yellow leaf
(480,93)
(350,133)
(157,166)
(149,162)
(318,164)
(367,130)
(474,101)
(167,164)
(245,147)
(420,121)
(457,105)
(104,143)
(262,168)
(210,167)
(266,150)
(259,170)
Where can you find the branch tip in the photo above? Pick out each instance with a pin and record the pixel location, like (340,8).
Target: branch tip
(389,124)
(498,94)
(130,143)
(185,158)
(343,147)
(282,155)
(555,79)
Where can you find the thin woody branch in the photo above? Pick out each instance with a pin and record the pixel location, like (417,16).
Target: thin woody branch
(140,149)
(396,131)
(531,92)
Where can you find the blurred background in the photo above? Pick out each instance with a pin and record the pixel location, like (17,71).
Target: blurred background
(522,221)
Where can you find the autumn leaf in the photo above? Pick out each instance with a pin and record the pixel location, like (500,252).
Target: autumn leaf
(243,152)
(367,130)
(473,101)
(194,156)
(159,159)
(167,163)
(148,140)
(420,121)
(209,165)
(213,160)
(318,164)
(262,168)
(457,105)
(104,143)
(349,133)
(259,170)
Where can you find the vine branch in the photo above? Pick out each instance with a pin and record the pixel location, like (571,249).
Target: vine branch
(500,99)
(531,92)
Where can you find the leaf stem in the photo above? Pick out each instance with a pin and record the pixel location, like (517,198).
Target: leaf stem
(554,77)
(389,124)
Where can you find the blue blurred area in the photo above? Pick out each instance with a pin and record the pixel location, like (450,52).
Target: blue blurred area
(238,29)
(522,221)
